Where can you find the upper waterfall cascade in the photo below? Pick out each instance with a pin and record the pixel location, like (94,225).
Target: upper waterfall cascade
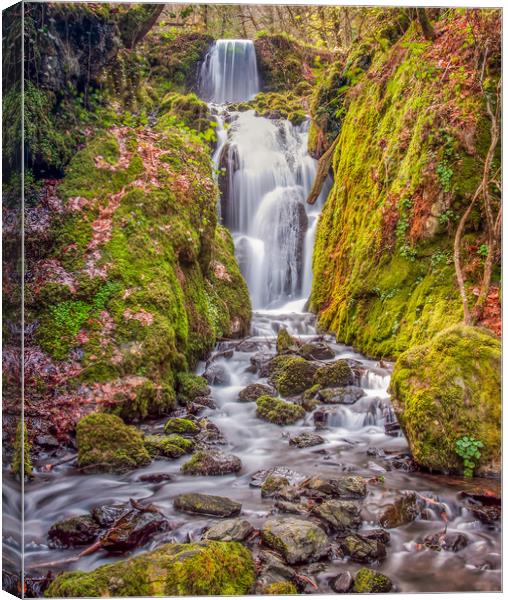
(265,176)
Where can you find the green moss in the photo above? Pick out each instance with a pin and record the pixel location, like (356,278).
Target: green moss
(278,411)
(446,389)
(205,568)
(105,443)
(336,374)
(168,446)
(189,110)
(285,342)
(272,484)
(21,462)
(190,387)
(275,105)
(280,588)
(292,375)
(178,425)
(368,581)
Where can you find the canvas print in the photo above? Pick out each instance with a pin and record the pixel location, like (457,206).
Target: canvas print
(251,291)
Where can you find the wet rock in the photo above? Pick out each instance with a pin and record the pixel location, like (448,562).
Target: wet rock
(275,486)
(190,387)
(273,571)
(320,418)
(291,374)
(378,452)
(379,535)
(156,477)
(106,515)
(348,487)
(278,588)
(212,462)
(403,462)
(217,374)
(253,391)
(336,374)
(204,504)
(306,439)
(278,411)
(47,441)
(403,511)
(199,404)
(293,477)
(291,507)
(316,351)
(373,466)
(486,507)
(209,433)
(134,529)
(75,531)
(286,343)
(452,542)
(296,539)
(343,583)
(260,363)
(392,428)
(341,395)
(363,550)
(106,443)
(168,446)
(232,530)
(338,515)
(181,426)
(368,581)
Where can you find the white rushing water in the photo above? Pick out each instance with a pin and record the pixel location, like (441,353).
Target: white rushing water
(266,176)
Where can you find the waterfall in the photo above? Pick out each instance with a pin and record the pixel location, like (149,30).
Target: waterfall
(265,175)
(229,72)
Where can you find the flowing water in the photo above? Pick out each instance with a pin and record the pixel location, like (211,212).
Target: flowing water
(268,174)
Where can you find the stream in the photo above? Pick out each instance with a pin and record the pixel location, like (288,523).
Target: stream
(266,178)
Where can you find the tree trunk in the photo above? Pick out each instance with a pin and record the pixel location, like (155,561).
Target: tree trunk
(425,24)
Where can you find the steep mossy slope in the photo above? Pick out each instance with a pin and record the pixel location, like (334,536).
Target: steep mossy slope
(413,135)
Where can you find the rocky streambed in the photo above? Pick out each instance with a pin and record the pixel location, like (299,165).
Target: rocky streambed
(283,472)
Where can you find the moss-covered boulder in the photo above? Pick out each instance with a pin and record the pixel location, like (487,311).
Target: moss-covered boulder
(212,462)
(278,411)
(275,106)
(286,343)
(292,375)
(73,531)
(200,569)
(190,110)
(279,588)
(106,443)
(298,540)
(204,504)
(190,386)
(182,426)
(449,388)
(253,391)
(368,581)
(336,374)
(168,446)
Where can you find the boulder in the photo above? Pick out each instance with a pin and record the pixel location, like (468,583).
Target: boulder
(368,581)
(316,351)
(205,568)
(452,542)
(485,506)
(107,514)
(168,446)
(363,550)
(274,486)
(74,531)
(336,374)
(273,572)
(181,426)
(204,504)
(291,374)
(338,515)
(106,443)
(298,540)
(306,439)
(286,343)
(232,530)
(347,487)
(278,411)
(209,433)
(211,462)
(279,588)
(340,395)
(134,529)
(449,388)
(343,583)
(217,374)
(403,511)
(189,387)
(293,477)
(253,391)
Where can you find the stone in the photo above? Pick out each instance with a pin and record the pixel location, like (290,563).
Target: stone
(74,531)
(377,534)
(338,515)
(306,439)
(452,542)
(168,446)
(368,581)
(293,477)
(272,571)
(253,391)
(336,374)
(181,426)
(347,487)
(217,374)
(343,583)
(363,550)
(298,540)
(211,462)
(231,530)
(134,529)
(291,374)
(286,343)
(341,395)
(278,411)
(403,511)
(486,507)
(156,477)
(107,514)
(316,351)
(204,504)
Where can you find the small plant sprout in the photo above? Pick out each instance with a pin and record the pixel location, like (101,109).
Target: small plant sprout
(468,448)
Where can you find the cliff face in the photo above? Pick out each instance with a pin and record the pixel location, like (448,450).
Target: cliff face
(414,132)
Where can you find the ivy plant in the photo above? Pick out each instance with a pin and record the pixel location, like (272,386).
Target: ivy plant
(468,448)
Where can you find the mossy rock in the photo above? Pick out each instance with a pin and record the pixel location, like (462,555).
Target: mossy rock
(368,581)
(280,588)
(278,411)
(212,462)
(448,388)
(190,386)
(292,375)
(199,569)
(106,443)
(168,446)
(336,374)
(285,342)
(183,426)
(21,462)
(192,111)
